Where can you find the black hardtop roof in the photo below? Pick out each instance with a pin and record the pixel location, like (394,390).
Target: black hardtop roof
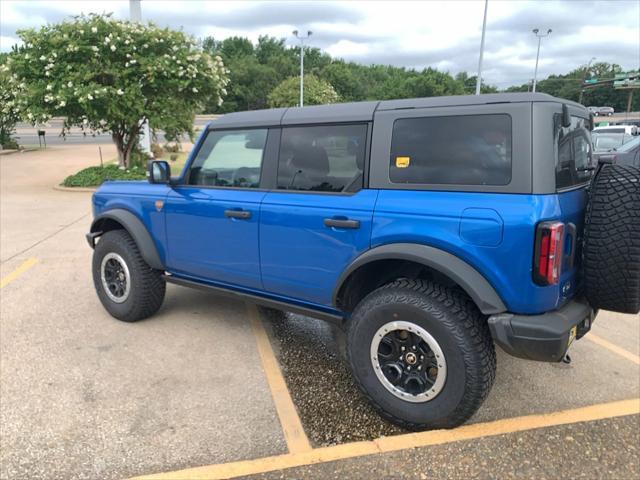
(364,111)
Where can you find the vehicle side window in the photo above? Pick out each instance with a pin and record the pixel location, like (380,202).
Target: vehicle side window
(455,150)
(229,158)
(573,152)
(322,158)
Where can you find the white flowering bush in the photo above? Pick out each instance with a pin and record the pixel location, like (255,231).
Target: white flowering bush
(105,75)
(11,103)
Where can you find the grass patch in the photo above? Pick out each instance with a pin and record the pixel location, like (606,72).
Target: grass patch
(178,164)
(94,176)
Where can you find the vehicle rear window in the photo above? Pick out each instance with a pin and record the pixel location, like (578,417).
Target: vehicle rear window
(458,150)
(328,158)
(574,160)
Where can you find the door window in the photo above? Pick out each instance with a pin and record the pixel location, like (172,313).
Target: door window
(230,158)
(322,158)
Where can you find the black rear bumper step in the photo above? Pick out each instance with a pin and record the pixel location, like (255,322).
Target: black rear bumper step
(544,337)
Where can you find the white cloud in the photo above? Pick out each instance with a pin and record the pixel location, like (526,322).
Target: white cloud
(442,34)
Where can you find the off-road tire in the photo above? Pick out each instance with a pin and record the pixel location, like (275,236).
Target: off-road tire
(147,286)
(611,253)
(459,328)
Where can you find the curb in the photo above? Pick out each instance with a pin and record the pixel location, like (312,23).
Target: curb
(22,150)
(61,188)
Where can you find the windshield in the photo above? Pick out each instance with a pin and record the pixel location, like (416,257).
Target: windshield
(607,141)
(630,145)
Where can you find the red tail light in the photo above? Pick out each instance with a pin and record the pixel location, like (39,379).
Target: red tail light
(547,261)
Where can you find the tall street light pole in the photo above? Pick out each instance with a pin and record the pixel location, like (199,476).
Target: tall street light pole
(584,77)
(484,28)
(302,38)
(144,137)
(540,37)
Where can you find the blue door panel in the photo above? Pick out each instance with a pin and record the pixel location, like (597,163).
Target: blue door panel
(203,242)
(300,256)
(573,204)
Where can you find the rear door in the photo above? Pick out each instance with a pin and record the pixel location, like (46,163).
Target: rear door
(318,218)
(212,219)
(574,169)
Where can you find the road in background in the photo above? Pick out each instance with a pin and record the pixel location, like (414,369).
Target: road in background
(28,135)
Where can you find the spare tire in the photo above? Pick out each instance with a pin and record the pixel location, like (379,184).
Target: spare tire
(611,253)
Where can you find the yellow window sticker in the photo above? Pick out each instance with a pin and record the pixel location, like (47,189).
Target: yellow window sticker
(403,162)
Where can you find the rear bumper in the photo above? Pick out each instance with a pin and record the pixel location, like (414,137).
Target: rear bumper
(544,337)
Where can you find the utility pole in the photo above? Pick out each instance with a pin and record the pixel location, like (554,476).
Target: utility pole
(144,137)
(135,11)
(540,37)
(584,77)
(302,39)
(484,28)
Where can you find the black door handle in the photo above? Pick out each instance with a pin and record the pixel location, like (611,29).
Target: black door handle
(241,214)
(341,223)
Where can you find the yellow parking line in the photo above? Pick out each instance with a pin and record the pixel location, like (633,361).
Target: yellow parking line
(402,442)
(294,435)
(614,348)
(26,265)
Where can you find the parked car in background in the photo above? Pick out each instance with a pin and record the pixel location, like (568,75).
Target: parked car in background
(593,110)
(627,154)
(606,141)
(608,111)
(628,129)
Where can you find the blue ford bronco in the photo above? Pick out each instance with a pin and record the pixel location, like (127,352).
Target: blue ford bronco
(430,229)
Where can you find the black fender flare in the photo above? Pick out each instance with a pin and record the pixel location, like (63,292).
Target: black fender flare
(466,276)
(134,226)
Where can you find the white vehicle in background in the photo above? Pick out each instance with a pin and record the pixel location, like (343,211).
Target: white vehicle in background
(628,129)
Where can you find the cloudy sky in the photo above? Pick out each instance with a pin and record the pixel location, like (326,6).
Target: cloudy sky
(441,34)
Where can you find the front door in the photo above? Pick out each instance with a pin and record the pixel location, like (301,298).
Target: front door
(212,219)
(319,218)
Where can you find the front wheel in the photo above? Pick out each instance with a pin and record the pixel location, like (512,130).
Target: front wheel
(127,286)
(421,353)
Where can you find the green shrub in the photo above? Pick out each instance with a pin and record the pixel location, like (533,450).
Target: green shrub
(157,150)
(173,148)
(94,176)
(10,144)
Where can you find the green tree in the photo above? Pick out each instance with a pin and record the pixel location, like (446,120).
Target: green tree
(469,84)
(105,75)
(345,79)
(316,92)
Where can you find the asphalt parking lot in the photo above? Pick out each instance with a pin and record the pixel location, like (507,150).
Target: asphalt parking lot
(214,388)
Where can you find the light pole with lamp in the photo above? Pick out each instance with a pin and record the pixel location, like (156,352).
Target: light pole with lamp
(302,39)
(484,28)
(144,137)
(540,37)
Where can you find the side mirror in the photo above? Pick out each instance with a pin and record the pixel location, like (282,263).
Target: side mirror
(158,171)
(605,159)
(566,116)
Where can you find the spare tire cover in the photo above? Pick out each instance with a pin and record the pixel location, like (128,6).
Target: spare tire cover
(611,253)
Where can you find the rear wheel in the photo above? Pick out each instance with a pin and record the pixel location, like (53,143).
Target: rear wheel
(421,353)
(127,286)
(612,240)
